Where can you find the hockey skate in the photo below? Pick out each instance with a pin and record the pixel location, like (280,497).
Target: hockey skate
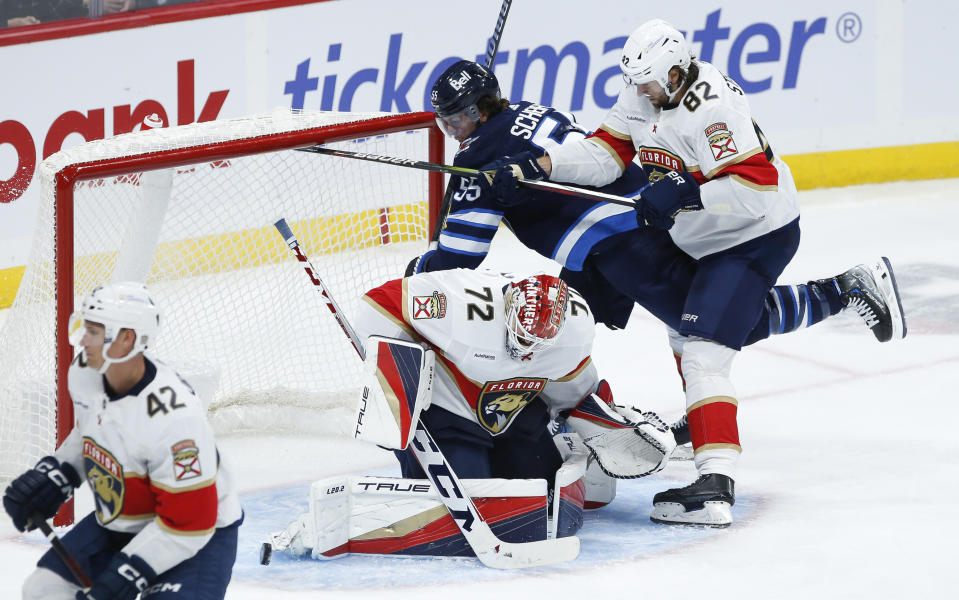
(706,502)
(871,291)
(684,446)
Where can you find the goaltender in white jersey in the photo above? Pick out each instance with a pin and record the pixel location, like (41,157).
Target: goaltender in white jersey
(511,353)
(460,314)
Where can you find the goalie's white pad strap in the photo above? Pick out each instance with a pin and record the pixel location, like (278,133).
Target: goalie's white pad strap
(624,448)
(599,488)
(569,487)
(398,380)
(387,515)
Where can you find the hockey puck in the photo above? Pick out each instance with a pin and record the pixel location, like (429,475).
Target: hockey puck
(266,551)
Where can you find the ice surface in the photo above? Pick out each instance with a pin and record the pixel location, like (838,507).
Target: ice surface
(847,487)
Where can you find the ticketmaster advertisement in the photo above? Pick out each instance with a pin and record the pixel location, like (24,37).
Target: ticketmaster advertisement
(821,76)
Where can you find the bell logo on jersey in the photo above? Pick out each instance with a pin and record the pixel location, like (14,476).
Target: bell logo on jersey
(500,401)
(105,475)
(429,307)
(720,141)
(186,460)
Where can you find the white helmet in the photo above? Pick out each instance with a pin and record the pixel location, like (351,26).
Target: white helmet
(651,51)
(535,314)
(124,305)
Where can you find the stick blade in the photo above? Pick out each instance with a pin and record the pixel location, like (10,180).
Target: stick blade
(531,554)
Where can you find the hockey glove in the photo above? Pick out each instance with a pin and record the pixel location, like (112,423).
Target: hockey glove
(507,172)
(123,579)
(666,198)
(418,264)
(41,490)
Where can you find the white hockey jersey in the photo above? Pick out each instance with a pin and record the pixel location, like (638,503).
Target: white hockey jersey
(746,190)
(460,314)
(151,461)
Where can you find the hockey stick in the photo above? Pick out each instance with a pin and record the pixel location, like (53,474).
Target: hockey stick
(492,46)
(489,549)
(62,551)
(548,186)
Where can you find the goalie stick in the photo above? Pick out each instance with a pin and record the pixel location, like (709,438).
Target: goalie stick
(489,549)
(549,186)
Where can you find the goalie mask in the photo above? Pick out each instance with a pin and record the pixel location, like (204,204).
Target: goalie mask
(456,92)
(535,313)
(125,305)
(651,51)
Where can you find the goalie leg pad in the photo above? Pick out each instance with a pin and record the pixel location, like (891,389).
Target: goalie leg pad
(395,516)
(398,381)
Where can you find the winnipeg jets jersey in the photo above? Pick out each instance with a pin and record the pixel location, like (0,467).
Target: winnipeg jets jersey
(460,314)
(747,191)
(151,461)
(563,228)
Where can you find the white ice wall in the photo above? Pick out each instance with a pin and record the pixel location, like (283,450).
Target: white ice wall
(822,75)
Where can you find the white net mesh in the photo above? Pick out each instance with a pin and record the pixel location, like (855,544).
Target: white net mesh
(236,306)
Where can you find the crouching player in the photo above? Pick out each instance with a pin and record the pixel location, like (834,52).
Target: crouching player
(166,518)
(511,354)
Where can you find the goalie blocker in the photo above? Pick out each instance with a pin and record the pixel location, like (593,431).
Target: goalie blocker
(398,380)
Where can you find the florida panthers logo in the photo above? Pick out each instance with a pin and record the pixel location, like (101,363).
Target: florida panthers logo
(657,162)
(106,479)
(501,401)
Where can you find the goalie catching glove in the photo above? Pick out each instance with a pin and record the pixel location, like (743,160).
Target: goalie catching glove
(625,442)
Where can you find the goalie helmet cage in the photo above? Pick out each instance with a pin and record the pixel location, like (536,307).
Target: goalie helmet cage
(190,211)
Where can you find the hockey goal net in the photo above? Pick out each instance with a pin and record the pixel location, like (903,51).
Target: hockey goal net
(190,211)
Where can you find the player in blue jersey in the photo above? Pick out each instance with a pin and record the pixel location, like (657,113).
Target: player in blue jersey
(605,254)
(595,242)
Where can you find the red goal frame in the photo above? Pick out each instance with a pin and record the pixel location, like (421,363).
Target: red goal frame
(67,178)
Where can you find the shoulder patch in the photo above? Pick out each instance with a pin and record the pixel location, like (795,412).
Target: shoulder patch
(429,307)
(720,140)
(186,460)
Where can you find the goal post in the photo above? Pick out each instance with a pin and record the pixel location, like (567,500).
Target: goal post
(190,210)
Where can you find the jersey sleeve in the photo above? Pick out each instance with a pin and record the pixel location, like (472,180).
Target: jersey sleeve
(468,229)
(182,473)
(413,308)
(566,392)
(70,452)
(381,312)
(739,175)
(603,156)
